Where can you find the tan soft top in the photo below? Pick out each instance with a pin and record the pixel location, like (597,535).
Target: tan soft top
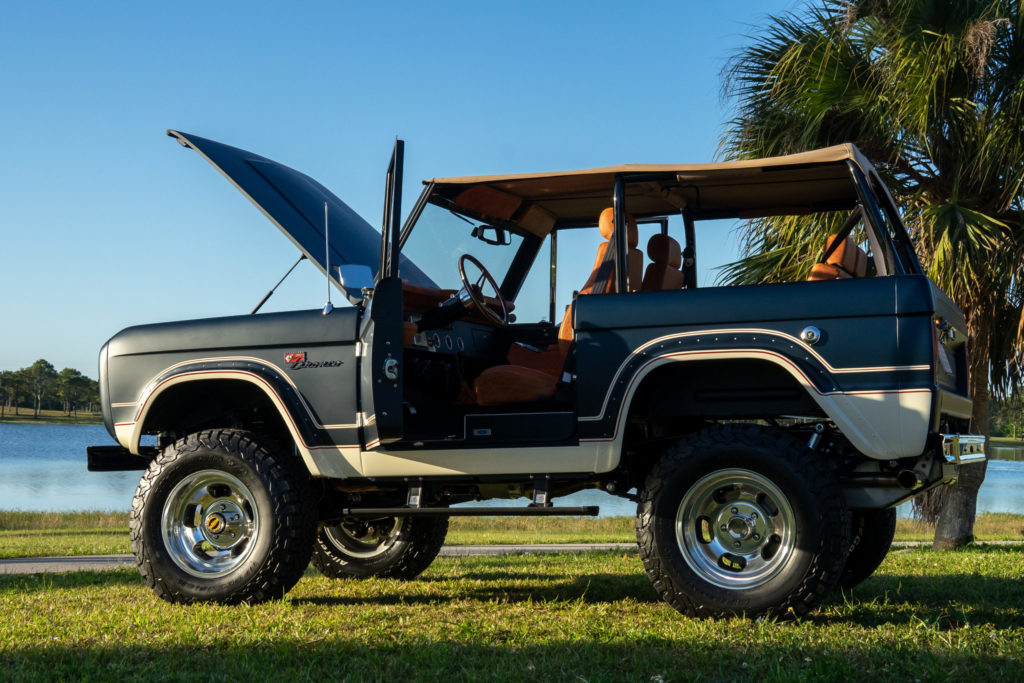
(797,183)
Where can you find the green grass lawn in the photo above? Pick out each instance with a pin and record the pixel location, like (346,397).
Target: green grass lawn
(946,616)
(27,534)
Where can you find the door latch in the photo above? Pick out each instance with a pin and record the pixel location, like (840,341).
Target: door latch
(391,369)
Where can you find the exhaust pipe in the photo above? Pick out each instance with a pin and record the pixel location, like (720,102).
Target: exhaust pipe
(909,480)
(904,479)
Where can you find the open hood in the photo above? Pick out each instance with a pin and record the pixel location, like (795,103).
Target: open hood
(294,202)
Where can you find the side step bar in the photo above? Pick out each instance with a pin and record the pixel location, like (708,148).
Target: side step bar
(584,511)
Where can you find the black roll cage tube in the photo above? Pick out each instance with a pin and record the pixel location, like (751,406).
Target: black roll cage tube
(881,244)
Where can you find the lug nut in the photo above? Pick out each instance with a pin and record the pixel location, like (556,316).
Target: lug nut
(725,528)
(735,510)
(736,544)
(757,537)
(753,515)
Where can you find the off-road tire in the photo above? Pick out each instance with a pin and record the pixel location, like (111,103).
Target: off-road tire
(804,481)
(279,487)
(871,534)
(417,542)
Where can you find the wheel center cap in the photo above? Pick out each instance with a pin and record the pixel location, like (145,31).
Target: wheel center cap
(224,525)
(215,523)
(741,527)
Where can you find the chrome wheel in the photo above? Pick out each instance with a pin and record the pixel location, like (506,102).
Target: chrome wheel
(735,528)
(365,538)
(209,523)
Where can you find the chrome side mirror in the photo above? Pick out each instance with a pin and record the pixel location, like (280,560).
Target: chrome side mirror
(356,282)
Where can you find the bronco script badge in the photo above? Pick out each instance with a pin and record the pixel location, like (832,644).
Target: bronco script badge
(298,361)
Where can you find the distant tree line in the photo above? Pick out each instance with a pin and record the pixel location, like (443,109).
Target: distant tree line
(1007,415)
(41,387)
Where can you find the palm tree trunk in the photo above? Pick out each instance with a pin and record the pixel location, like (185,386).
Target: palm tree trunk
(959,502)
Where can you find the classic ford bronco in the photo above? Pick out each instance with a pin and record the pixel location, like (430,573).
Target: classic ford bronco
(765,432)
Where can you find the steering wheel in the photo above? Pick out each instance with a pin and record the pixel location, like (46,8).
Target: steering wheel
(474,292)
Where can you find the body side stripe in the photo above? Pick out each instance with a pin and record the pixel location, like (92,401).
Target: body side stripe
(682,335)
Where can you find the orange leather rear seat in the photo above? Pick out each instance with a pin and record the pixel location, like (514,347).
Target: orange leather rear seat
(845,262)
(666,259)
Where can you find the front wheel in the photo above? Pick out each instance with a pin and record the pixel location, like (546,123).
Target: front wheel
(222,516)
(739,519)
(391,548)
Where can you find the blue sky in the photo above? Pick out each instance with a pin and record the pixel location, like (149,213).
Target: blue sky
(105,222)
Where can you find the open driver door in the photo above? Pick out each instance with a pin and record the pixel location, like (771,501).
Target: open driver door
(381,372)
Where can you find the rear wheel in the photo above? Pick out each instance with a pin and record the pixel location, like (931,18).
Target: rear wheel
(871,534)
(222,516)
(741,519)
(393,547)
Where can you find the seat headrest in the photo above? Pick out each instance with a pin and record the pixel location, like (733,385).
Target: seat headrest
(664,250)
(606,224)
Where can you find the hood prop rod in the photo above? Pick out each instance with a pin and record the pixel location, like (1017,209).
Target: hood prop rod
(274,288)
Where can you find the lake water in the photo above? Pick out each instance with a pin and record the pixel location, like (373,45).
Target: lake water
(42,467)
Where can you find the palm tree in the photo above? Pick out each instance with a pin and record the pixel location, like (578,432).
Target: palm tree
(932,90)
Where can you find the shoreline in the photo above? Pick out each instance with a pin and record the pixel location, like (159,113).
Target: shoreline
(49,420)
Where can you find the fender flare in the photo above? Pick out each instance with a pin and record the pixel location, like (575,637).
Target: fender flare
(869,419)
(309,436)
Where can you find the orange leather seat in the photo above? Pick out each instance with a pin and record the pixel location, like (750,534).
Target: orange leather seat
(666,259)
(635,257)
(533,375)
(845,262)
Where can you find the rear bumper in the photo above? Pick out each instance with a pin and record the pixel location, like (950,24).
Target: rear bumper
(963,449)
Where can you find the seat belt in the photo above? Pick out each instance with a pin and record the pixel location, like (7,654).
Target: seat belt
(844,232)
(605,272)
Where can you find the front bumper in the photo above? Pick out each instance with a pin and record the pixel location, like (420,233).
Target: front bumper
(963,449)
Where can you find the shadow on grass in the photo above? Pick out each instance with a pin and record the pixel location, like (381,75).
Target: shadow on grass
(945,602)
(587,588)
(498,575)
(653,658)
(949,601)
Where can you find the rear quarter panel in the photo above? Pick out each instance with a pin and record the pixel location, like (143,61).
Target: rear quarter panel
(871,371)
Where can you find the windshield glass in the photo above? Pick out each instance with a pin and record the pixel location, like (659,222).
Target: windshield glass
(440,237)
